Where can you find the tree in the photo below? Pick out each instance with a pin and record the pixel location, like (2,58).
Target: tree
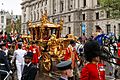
(18,25)
(8,26)
(112,6)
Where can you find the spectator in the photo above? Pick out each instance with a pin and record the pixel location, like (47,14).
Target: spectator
(30,70)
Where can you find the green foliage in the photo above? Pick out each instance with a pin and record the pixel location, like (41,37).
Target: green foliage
(8,27)
(113,6)
(18,26)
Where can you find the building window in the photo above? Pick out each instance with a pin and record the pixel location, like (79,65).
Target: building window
(34,16)
(2,26)
(70,4)
(83,15)
(24,9)
(54,6)
(31,17)
(41,3)
(38,5)
(84,3)
(108,14)
(69,30)
(98,2)
(2,19)
(119,28)
(45,2)
(37,15)
(61,6)
(108,28)
(24,17)
(97,15)
(69,18)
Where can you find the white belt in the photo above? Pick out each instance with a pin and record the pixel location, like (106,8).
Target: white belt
(2,64)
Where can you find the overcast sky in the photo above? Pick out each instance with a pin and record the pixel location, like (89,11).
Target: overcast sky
(10,5)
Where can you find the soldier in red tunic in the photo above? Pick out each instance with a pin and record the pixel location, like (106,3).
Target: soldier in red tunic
(71,53)
(93,70)
(33,48)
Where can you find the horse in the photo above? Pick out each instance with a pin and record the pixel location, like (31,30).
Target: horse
(108,43)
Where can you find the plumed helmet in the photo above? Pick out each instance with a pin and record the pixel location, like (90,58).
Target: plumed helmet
(91,50)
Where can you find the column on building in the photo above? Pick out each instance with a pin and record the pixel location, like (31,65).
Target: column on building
(73,4)
(89,4)
(22,19)
(49,7)
(58,6)
(67,4)
(51,1)
(76,4)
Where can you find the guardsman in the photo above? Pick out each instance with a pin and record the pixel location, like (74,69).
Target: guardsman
(30,70)
(71,53)
(34,49)
(19,56)
(66,70)
(4,65)
(93,70)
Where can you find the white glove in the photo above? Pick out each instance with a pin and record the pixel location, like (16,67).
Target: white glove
(10,72)
(78,62)
(11,62)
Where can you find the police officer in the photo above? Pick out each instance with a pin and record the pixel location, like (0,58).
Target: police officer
(4,65)
(30,70)
(66,70)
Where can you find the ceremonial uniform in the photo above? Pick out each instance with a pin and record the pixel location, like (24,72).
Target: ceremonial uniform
(30,70)
(93,72)
(36,54)
(118,61)
(71,54)
(19,55)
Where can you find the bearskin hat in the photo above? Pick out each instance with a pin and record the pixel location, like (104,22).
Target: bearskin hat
(91,50)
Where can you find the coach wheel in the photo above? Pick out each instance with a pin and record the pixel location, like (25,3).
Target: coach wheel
(46,62)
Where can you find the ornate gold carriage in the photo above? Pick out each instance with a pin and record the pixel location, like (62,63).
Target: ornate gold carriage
(48,36)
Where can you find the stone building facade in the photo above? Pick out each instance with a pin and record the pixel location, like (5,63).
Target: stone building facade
(4,16)
(80,16)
